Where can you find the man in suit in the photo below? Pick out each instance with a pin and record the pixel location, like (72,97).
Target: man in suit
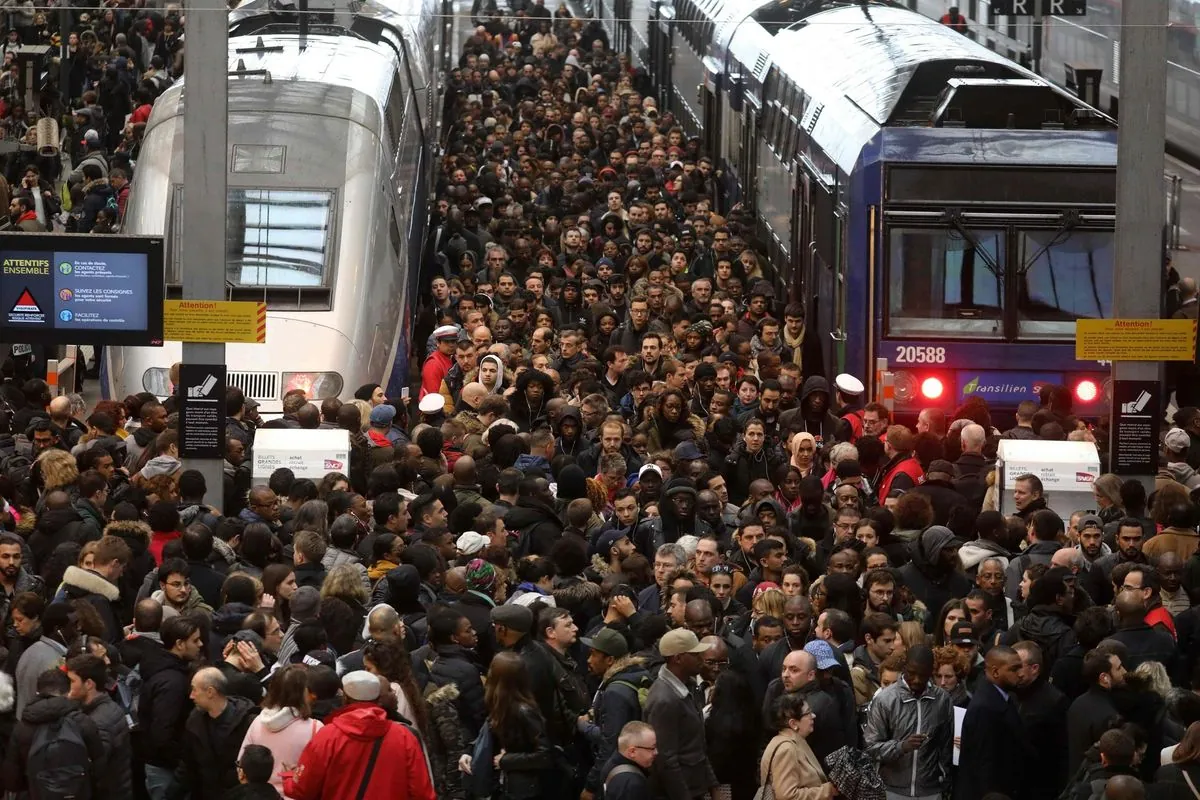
(994,747)
(682,766)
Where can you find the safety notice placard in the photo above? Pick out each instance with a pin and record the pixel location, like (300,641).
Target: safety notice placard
(1135,340)
(215,321)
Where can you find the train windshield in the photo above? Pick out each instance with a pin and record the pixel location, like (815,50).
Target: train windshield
(946,282)
(279,237)
(1065,276)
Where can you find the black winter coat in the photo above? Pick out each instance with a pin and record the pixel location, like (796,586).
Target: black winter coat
(1147,644)
(163,706)
(528,766)
(48,711)
(452,663)
(1050,627)
(211,748)
(117,780)
(538,524)
(95,589)
(1088,717)
(478,609)
(1043,710)
(995,755)
(616,703)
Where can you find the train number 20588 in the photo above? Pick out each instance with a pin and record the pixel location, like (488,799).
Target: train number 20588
(920,355)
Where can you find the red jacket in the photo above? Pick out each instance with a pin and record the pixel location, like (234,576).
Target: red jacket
(332,764)
(434,372)
(158,540)
(908,466)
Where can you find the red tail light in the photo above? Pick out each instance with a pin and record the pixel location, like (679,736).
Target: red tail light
(1087,391)
(932,388)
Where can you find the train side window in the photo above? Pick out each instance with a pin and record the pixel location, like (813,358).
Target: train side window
(394,115)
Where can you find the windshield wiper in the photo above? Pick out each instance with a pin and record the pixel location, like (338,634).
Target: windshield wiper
(1070,221)
(953,219)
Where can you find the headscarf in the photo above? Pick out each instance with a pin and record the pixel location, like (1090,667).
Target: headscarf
(795,462)
(499,387)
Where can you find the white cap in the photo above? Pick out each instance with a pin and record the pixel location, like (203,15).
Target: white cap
(650,468)
(470,543)
(848,384)
(432,403)
(445,332)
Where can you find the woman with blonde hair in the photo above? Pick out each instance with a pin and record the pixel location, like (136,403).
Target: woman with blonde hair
(1107,492)
(789,766)
(56,469)
(767,601)
(912,633)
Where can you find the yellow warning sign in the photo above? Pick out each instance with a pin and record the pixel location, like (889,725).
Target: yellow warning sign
(215,321)
(1135,340)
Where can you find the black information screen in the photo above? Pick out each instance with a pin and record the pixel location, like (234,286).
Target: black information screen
(81,289)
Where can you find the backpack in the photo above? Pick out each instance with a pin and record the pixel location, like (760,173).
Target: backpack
(129,690)
(641,689)
(59,762)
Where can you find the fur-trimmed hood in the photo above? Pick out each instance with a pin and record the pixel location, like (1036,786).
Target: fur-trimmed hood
(135,533)
(622,664)
(442,694)
(600,566)
(88,582)
(577,592)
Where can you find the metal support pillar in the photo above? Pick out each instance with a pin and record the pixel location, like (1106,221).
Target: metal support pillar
(1138,273)
(206,120)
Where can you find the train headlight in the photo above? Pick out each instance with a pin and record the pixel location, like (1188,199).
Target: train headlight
(315,385)
(932,388)
(1087,391)
(157,381)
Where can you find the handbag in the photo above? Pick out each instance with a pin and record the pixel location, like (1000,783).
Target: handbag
(1191,785)
(767,791)
(481,782)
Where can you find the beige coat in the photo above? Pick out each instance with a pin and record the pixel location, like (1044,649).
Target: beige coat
(795,772)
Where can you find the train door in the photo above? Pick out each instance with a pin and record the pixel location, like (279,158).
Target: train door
(798,285)
(660,52)
(748,164)
(710,101)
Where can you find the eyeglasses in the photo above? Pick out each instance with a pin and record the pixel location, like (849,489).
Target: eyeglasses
(710,663)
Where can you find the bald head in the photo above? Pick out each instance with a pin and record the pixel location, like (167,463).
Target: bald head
(383,622)
(473,394)
(1130,607)
(1067,557)
(1124,787)
(456,580)
(1187,287)
(698,616)
(973,437)
(799,670)
(59,408)
(464,471)
(309,417)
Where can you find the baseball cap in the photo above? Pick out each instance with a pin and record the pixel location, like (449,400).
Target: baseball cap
(470,543)
(483,201)
(383,414)
(822,652)
(650,468)
(687,451)
(962,633)
(306,603)
(608,540)
(361,686)
(1090,521)
(1177,440)
(608,642)
(678,642)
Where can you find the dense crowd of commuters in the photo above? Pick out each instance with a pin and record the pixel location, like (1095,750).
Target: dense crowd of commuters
(621,543)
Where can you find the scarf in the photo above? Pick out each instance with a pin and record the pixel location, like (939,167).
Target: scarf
(796,345)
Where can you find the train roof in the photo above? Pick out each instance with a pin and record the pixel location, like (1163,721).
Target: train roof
(332,75)
(861,72)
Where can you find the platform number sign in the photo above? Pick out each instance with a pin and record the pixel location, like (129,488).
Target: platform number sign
(1050,8)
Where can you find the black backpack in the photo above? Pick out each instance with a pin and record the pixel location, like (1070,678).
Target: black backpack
(59,763)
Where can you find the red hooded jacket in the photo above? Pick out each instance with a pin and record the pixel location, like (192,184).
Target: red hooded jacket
(332,765)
